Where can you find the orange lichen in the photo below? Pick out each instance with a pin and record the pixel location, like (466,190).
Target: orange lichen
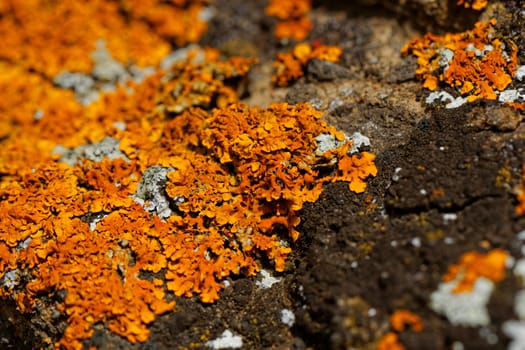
(437,193)
(477,63)
(474,265)
(226,217)
(44,210)
(293,18)
(290,66)
(473,4)
(31,38)
(390,341)
(28,124)
(238,176)
(175,20)
(356,169)
(520,106)
(401,318)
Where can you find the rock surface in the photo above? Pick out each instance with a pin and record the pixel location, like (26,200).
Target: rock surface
(444,187)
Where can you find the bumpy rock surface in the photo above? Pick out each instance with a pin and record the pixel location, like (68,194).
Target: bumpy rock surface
(446,185)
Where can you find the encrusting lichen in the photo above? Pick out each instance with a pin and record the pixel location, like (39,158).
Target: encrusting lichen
(31,38)
(293,18)
(86,235)
(399,321)
(473,265)
(473,4)
(477,63)
(243,173)
(401,318)
(289,66)
(467,287)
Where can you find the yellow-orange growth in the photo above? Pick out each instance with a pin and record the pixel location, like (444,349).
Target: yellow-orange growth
(473,265)
(476,63)
(289,66)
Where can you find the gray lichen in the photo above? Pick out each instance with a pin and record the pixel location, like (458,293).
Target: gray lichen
(151,192)
(82,84)
(109,147)
(107,73)
(326,142)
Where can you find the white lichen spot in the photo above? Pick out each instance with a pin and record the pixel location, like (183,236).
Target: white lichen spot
(443,96)
(327,142)
(457,102)
(39,114)
(107,73)
(519,304)
(449,240)
(395,177)
(457,345)
(207,13)
(504,53)
(120,126)
(358,141)
(10,279)
(106,68)
(446,56)
(95,220)
(317,103)
(521,235)
(515,330)
(109,148)
(82,84)
(416,242)
(519,269)
(520,73)
(479,53)
(287,317)
(225,341)
(151,192)
(519,298)
(487,48)
(181,55)
(24,244)
(470,47)
(267,280)
(467,309)
(447,217)
(512,95)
